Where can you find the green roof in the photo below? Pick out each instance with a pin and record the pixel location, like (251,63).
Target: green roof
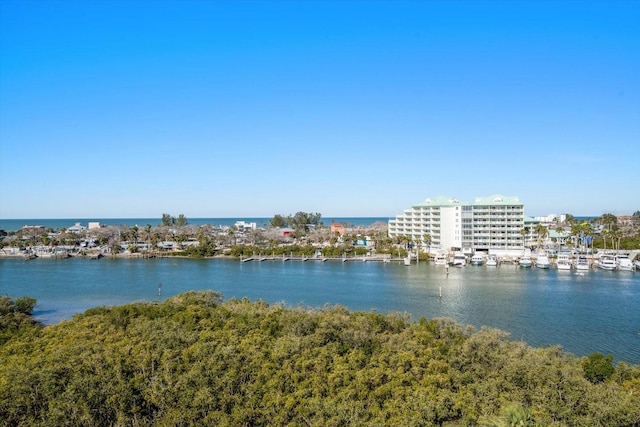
(496,199)
(440,201)
(554,234)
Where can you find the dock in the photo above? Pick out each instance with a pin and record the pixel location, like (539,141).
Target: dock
(302,258)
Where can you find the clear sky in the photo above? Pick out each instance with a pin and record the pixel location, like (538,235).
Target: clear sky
(347,108)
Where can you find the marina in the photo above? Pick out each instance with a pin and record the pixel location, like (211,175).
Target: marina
(582,311)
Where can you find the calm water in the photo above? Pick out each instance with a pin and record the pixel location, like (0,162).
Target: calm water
(597,311)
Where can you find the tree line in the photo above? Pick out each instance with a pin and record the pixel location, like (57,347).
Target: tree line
(195,359)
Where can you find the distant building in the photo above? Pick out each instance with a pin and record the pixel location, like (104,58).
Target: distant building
(336,227)
(94,225)
(559,237)
(242,226)
(624,219)
(286,231)
(548,219)
(492,224)
(77,228)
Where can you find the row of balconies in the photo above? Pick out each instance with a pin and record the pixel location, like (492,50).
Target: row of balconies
(498,208)
(484,241)
(497,215)
(495,227)
(492,223)
(499,233)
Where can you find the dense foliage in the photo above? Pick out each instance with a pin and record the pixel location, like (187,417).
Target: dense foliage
(195,360)
(299,221)
(15,317)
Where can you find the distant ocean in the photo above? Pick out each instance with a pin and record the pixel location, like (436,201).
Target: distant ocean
(58,223)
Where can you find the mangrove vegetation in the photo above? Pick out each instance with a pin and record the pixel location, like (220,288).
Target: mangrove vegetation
(195,359)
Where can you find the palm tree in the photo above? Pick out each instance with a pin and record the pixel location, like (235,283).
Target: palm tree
(586,233)
(569,219)
(616,236)
(605,233)
(426,238)
(542,233)
(609,220)
(577,232)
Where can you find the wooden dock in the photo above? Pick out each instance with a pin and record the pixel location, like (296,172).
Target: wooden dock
(302,258)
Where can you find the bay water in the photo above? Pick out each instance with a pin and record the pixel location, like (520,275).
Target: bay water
(595,311)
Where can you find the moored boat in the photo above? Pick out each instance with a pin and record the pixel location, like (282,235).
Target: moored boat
(441,258)
(459,260)
(525,261)
(492,261)
(477,259)
(582,263)
(624,263)
(607,262)
(542,261)
(563,262)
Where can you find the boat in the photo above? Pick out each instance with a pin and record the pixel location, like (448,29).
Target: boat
(624,263)
(441,258)
(582,263)
(407,260)
(542,261)
(477,259)
(637,263)
(459,260)
(492,261)
(607,262)
(563,262)
(525,261)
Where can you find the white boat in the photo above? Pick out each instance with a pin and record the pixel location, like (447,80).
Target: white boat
(582,263)
(492,261)
(477,259)
(624,263)
(525,261)
(441,258)
(607,262)
(542,261)
(563,262)
(637,263)
(407,260)
(459,260)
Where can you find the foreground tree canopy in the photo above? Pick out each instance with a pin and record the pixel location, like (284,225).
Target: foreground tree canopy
(195,360)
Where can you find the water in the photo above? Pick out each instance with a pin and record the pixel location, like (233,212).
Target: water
(597,311)
(58,223)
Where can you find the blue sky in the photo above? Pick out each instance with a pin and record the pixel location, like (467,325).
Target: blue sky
(347,108)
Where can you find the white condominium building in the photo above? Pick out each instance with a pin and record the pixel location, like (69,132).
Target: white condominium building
(491,223)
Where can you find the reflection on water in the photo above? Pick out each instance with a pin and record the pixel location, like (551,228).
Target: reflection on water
(594,311)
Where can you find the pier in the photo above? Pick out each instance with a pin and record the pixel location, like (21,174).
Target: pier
(302,258)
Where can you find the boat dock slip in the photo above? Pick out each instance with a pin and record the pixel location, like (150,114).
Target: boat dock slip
(302,258)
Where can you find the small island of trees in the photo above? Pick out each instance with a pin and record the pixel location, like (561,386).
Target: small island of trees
(196,360)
